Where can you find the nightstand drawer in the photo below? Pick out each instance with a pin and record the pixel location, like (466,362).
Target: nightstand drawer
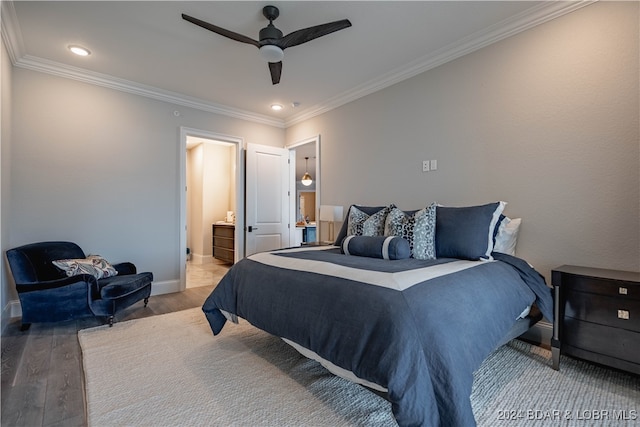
(609,311)
(612,342)
(605,287)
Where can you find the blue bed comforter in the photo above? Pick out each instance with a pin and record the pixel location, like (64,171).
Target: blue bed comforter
(417,328)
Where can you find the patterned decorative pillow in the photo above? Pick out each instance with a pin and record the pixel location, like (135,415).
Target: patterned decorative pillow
(418,228)
(95,265)
(360,223)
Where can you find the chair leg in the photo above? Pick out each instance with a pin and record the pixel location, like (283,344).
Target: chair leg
(146,301)
(110,321)
(25,326)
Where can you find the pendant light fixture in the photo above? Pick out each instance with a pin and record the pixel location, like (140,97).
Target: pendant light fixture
(306,178)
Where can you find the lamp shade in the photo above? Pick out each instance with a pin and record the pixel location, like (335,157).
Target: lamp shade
(331,213)
(271,53)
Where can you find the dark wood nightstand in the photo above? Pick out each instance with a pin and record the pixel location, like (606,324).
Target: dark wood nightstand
(597,316)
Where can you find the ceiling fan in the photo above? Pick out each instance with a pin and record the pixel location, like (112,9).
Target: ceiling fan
(272,43)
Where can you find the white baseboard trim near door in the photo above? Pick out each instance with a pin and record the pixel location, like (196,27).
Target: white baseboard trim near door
(165,287)
(201,259)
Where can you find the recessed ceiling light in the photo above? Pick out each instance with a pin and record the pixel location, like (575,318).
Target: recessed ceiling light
(276,107)
(79,50)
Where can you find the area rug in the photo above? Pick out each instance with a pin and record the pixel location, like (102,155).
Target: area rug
(169,370)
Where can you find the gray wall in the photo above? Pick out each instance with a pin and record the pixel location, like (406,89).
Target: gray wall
(101,167)
(546,120)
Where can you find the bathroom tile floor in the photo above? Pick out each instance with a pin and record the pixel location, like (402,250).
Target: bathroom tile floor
(205,274)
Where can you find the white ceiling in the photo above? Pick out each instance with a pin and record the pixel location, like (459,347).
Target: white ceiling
(146,47)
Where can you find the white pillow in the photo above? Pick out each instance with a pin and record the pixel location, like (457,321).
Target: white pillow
(507,236)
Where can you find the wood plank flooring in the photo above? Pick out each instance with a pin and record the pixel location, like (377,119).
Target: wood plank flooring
(42,377)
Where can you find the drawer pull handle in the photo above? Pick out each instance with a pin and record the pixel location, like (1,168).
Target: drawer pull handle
(622,291)
(623,314)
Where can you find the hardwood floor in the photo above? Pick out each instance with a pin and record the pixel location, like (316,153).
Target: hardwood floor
(42,376)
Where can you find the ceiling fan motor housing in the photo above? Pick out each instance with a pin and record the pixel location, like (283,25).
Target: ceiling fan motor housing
(270,32)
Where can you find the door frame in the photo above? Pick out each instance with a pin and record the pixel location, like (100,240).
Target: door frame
(182,189)
(292,184)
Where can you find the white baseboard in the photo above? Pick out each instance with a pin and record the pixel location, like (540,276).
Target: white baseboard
(8,312)
(165,287)
(201,259)
(14,309)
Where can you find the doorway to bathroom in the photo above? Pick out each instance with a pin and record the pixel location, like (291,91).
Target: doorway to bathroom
(210,205)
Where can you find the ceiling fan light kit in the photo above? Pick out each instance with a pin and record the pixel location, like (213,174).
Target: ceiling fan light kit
(272,43)
(271,53)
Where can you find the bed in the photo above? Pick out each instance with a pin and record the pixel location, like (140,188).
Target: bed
(411,327)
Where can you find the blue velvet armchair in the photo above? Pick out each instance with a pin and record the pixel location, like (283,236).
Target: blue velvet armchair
(47,294)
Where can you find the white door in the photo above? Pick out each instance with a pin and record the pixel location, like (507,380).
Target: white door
(267,206)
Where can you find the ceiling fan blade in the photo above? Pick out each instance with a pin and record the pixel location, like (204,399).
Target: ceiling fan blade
(276,69)
(226,33)
(308,34)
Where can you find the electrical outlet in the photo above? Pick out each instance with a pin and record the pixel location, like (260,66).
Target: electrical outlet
(425,166)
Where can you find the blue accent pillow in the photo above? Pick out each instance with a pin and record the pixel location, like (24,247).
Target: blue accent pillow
(467,232)
(385,247)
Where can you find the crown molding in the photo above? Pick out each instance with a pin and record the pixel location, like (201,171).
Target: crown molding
(530,18)
(11,34)
(108,81)
(544,12)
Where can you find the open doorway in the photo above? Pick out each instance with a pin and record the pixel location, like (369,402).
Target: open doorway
(305,155)
(212,197)
(210,205)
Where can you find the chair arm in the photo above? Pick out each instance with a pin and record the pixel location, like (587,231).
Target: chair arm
(125,268)
(57,283)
